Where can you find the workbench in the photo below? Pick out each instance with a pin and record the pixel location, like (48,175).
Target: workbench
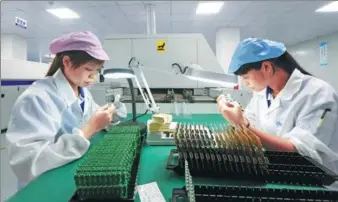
(58,184)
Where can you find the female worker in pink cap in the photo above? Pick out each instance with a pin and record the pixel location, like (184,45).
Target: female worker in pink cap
(53,119)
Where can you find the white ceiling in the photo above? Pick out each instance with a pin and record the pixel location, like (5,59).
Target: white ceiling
(287,21)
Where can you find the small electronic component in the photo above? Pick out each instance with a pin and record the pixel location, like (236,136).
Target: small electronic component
(228,98)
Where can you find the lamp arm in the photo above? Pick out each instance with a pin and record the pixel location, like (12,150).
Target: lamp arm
(154,107)
(131,86)
(151,105)
(147,103)
(147,98)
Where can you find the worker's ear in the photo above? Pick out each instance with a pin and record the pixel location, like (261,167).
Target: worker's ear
(267,67)
(66,62)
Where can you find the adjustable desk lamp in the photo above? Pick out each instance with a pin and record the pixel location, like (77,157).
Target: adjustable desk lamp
(129,74)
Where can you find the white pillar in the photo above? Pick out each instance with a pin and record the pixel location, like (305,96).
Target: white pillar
(13,47)
(227,40)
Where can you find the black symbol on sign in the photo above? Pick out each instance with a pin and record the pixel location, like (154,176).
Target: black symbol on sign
(161,47)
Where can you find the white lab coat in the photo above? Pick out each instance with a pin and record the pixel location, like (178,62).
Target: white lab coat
(295,114)
(44,128)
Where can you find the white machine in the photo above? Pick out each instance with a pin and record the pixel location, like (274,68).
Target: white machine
(158,54)
(173,61)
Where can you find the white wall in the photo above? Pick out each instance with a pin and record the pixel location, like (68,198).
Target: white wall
(13,47)
(227,40)
(6,46)
(19,48)
(307,54)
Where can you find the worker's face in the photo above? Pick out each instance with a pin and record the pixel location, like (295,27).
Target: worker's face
(81,76)
(258,80)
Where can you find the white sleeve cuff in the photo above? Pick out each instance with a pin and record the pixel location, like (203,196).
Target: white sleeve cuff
(80,134)
(304,150)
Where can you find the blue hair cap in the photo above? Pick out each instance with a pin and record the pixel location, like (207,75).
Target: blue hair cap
(253,50)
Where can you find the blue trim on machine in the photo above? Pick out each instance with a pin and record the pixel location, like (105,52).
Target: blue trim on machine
(12,82)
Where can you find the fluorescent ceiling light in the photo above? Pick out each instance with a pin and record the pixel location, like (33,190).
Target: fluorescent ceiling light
(210,7)
(331,7)
(63,13)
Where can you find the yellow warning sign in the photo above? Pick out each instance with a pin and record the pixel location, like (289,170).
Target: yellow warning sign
(161,45)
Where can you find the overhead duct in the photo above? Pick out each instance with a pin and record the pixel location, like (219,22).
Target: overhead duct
(151,19)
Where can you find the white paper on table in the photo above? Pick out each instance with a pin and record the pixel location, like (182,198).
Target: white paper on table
(150,193)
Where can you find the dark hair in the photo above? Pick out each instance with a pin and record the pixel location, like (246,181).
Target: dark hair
(285,62)
(77,59)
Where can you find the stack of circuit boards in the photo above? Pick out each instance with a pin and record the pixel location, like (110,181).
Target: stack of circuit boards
(228,153)
(109,170)
(220,153)
(194,192)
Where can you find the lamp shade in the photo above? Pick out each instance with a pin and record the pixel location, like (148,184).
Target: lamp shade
(222,79)
(118,73)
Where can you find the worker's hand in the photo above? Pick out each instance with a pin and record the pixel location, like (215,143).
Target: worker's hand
(100,119)
(220,98)
(103,117)
(232,112)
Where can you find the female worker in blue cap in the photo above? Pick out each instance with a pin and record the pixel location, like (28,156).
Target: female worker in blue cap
(53,120)
(290,110)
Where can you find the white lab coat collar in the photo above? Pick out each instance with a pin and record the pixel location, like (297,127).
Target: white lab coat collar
(292,86)
(64,87)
